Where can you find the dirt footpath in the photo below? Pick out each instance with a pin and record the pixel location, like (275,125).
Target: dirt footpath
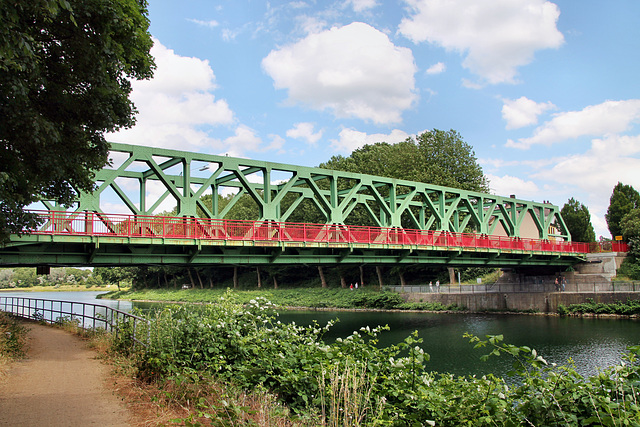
(60,383)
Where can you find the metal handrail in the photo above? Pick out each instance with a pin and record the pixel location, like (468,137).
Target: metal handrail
(88,316)
(101,224)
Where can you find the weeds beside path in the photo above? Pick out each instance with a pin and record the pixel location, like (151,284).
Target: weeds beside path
(59,383)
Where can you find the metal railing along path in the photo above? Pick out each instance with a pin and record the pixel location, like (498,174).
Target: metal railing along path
(529,287)
(87,316)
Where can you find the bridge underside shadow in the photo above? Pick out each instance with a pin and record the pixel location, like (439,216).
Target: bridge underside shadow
(34,250)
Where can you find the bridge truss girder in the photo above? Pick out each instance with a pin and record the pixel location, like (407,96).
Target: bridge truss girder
(34,250)
(279,189)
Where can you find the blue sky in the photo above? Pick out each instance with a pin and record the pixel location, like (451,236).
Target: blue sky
(546,93)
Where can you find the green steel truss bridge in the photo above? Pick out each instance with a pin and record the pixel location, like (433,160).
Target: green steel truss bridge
(414,223)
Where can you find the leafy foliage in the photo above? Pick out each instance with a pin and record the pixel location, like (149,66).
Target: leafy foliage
(354,381)
(13,337)
(64,76)
(630,226)
(623,200)
(578,220)
(25,277)
(435,157)
(619,307)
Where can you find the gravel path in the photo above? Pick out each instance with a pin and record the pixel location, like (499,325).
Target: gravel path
(60,383)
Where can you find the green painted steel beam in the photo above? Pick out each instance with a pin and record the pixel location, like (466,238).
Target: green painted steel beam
(336,194)
(106,251)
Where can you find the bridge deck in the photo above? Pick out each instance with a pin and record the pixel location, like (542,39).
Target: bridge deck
(87,238)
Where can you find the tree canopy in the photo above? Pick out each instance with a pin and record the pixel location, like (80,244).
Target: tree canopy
(435,157)
(65,67)
(623,200)
(578,220)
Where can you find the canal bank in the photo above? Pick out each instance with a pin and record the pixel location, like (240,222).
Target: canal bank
(544,302)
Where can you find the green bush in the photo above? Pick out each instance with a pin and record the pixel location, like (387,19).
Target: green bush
(622,308)
(630,268)
(247,346)
(12,337)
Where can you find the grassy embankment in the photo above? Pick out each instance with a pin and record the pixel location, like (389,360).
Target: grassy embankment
(300,297)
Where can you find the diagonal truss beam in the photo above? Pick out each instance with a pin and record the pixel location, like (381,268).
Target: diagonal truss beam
(336,194)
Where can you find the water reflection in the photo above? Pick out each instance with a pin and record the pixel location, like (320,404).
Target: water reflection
(590,343)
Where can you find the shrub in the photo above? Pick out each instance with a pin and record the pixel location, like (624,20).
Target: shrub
(354,381)
(12,337)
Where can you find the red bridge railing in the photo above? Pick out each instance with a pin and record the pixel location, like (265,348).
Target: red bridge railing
(100,224)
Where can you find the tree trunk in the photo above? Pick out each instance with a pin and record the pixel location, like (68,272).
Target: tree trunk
(235,277)
(452,276)
(199,279)
(193,285)
(275,283)
(402,281)
(343,282)
(362,276)
(379,273)
(259,280)
(210,282)
(322,279)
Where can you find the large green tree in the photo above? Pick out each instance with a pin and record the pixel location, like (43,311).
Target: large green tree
(435,157)
(623,200)
(65,70)
(578,220)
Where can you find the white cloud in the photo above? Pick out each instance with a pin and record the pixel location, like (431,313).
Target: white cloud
(276,144)
(507,185)
(608,118)
(591,176)
(310,24)
(176,104)
(244,139)
(523,112)
(362,5)
(597,171)
(354,71)
(210,24)
(436,68)
(351,139)
(498,36)
(304,131)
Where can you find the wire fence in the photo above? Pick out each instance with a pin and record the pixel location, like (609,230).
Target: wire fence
(86,315)
(525,287)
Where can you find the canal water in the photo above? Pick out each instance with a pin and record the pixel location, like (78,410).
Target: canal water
(589,343)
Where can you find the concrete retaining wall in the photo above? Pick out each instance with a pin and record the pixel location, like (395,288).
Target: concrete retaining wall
(546,302)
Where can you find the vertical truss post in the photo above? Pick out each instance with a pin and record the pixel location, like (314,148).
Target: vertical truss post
(436,208)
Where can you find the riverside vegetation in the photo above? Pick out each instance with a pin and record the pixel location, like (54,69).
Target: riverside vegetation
(236,364)
(295,297)
(12,339)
